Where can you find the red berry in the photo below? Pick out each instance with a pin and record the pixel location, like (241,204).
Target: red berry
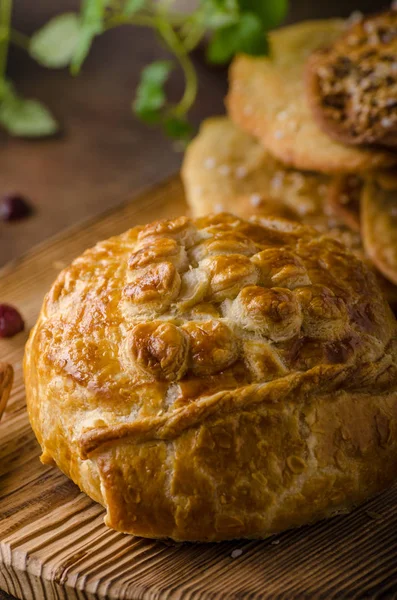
(11,321)
(14,207)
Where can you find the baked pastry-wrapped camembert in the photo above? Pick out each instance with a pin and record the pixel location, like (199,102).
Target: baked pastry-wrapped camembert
(217,378)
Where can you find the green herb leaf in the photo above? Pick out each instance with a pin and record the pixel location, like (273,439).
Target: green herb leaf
(150,96)
(92,11)
(25,118)
(216,14)
(270,12)
(54,44)
(157,72)
(177,128)
(245,36)
(132,6)
(91,24)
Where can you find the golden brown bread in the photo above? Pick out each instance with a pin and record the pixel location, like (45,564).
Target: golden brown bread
(342,200)
(267,99)
(379,224)
(227,169)
(352,84)
(216,378)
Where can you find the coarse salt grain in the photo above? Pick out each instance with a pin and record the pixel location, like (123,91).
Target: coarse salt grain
(198,190)
(277,180)
(355,17)
(297,179)
(218,207)
(248,110)
(386,122)
(369,27)
(209,162)
(255,199)
(323,72)
(281,116)
(224,170)
(241,172)
(278,134)
(236,553)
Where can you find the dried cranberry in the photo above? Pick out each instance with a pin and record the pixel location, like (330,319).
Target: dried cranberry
(14,207)
(11,321)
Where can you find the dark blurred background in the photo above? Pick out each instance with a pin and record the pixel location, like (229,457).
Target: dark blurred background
(104,155)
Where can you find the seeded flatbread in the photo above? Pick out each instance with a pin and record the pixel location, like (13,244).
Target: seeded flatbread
(267,99)
(379,226)
(225,169)
(352,85)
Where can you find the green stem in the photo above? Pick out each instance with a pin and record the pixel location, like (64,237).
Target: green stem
(20,39)
(177,48)
(193,38)
(142,20)
(165,28)
(5,19)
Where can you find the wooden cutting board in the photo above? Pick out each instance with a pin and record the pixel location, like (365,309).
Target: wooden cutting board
(53,543)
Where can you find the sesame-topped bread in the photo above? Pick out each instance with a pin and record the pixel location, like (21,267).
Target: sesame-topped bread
(352,84)
(216,378)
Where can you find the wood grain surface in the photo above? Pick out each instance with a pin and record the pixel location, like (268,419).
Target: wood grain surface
(54,545)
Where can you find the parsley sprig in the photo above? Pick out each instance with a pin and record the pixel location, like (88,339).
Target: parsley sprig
(229,26)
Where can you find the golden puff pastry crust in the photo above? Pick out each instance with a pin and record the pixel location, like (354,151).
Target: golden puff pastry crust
(217,378)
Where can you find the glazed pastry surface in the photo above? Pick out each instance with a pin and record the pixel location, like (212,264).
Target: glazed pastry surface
(216,378)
